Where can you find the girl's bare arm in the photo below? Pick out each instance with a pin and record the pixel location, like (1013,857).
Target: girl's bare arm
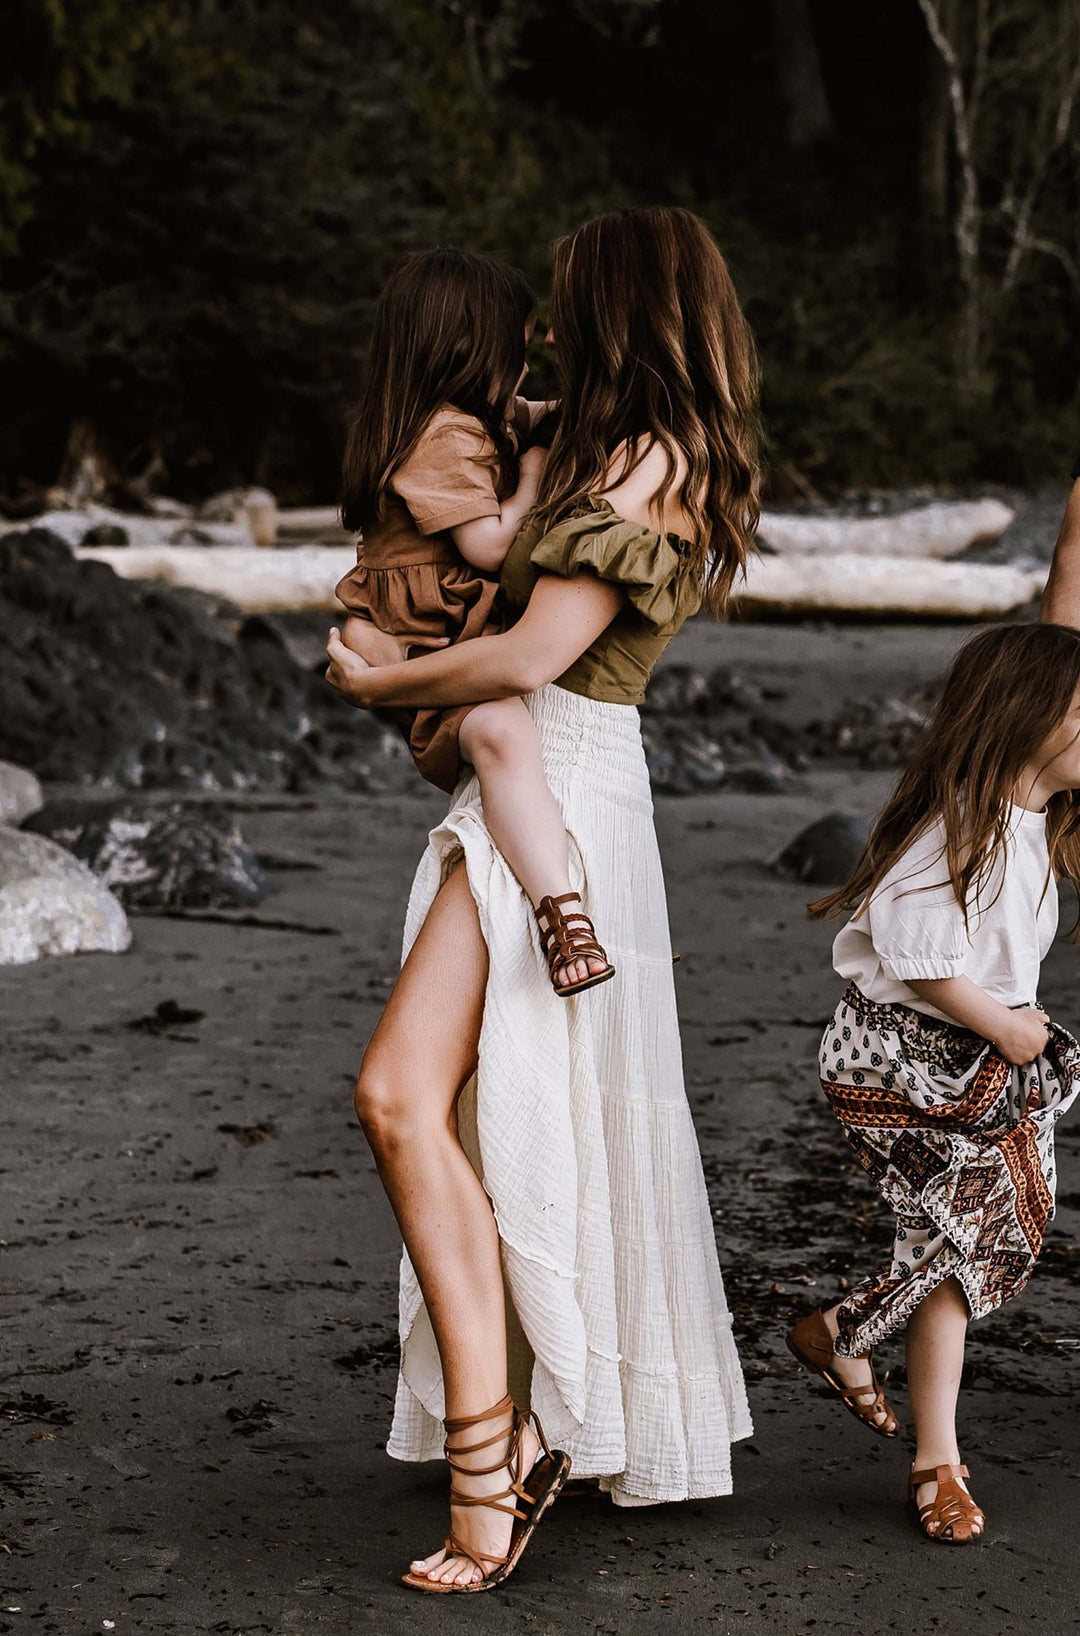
(1020,1035)
(485,541)
(563,618)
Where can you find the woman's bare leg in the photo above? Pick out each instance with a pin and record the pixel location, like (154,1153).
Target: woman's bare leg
(421,1055)
(522,815)
(936,1333)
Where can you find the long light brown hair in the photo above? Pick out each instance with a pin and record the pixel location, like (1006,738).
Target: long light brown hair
(1007,691)
(651,345)
(449,331)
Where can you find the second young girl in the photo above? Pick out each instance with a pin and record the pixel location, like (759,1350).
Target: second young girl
(945,1074)
(435,483)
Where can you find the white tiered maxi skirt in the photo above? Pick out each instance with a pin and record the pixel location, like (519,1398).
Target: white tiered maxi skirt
(586,1147)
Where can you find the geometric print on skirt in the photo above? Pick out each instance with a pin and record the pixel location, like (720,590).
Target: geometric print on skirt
(959,1143)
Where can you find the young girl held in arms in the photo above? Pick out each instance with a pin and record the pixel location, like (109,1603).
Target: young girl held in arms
(435,482)
(947,1077)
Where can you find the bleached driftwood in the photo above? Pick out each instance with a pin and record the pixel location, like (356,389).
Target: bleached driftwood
(305,576)
(256,580)
(312,522)
(146,533)
(880,586)
(941,529)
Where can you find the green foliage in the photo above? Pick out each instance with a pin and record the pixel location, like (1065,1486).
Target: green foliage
(201,199)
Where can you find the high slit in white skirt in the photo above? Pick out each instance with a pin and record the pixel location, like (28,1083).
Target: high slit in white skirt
(578,1124)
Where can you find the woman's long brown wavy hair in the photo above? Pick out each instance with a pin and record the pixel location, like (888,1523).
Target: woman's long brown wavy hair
(651,345)
(449,331)
(1007,691)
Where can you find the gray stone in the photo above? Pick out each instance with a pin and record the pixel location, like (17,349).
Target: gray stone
(167,856)
(50,903)
(825,852)
(20,793)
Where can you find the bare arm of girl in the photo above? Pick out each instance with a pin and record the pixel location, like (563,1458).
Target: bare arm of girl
(485,541)
(563,618)
(1019,1035)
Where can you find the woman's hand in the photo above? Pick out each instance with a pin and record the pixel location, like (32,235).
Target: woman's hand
(346,670)
(1025,1037)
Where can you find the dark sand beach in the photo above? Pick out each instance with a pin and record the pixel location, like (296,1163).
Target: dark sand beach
(200,1269)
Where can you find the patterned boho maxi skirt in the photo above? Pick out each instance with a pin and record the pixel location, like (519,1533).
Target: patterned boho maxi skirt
(578,1124)
(961,1146)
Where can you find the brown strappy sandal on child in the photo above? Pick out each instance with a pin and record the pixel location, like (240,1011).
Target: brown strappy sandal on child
(952,1508)
(569,937)
(811,1343)
(537,1489)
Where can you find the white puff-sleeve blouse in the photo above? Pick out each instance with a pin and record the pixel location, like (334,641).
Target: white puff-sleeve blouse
(913,927)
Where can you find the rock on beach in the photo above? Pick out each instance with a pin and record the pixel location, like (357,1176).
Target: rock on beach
(50,903)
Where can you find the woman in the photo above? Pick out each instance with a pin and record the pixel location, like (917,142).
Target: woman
(593,1204)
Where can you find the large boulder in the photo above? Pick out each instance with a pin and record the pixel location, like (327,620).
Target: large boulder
(20,793)
(168,856)
(50,903)
(825,852)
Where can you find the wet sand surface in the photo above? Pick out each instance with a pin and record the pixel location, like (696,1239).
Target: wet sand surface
(200,1294)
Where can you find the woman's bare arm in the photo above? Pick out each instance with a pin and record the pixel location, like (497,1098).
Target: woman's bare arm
(563,618)
(1061,599)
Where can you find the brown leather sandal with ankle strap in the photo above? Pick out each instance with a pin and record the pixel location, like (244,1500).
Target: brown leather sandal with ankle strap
(812,1344)
(952,1507)
(569,937)
(537,1489)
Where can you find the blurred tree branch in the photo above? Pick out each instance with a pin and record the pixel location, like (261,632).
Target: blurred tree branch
(1012,71)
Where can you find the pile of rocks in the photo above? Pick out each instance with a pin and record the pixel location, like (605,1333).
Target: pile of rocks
(714,732)
(126,685)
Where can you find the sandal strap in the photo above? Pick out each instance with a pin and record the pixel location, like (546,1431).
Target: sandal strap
(566,937)
(938,1474)
(511,1461)
(478,1559)
(464,1421)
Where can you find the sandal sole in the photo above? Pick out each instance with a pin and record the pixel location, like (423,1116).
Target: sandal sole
(565,990)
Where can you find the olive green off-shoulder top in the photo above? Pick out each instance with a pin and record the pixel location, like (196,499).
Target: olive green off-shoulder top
(662,590)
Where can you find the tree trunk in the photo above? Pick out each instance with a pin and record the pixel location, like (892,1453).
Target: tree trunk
(934,128)
(798,75)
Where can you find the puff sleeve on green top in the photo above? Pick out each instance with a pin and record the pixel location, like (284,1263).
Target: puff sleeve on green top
(654,570)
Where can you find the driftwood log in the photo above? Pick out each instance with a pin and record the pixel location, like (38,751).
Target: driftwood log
(942,529)
(304,577)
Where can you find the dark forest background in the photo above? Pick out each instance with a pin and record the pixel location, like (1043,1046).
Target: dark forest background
(200,199)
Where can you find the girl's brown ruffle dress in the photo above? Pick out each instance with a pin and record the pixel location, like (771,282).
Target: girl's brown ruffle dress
(412,582)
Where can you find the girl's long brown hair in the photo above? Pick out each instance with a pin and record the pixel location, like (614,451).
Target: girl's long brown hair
(1008,689)
(651,345)
(449,331)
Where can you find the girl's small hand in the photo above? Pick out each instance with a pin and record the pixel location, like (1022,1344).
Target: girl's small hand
(346,671)
(1026,1036)
(531,467)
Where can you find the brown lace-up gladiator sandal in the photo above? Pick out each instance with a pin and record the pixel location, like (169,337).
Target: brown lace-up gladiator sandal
(952,1508)
(537,1490)
(811,1343)
(569,937)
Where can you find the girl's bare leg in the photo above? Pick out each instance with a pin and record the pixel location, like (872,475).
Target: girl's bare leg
(421,1055)
(372,644)
(852,1371)
(523,817)
(936,1333)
